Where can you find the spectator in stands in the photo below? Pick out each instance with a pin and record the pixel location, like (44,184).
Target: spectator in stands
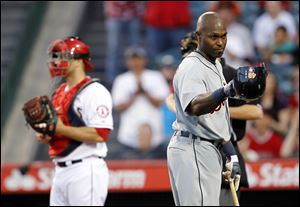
(290,146)
(122,23)
(138,95)
(265,26)
(168,68)
(281,118)
(283,48)
(166,23)
(286,5)
(263,140)
(276,104)
(239,49)
(281,56)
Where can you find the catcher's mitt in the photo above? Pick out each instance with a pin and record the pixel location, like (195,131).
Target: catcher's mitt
(41,115)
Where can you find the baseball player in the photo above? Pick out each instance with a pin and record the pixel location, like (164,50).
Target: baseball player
(239,111)
(203,125)
(84,109)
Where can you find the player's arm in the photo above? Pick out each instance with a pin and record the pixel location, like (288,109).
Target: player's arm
(82,134)
(96,114)
(207,103)
(203,104)
(246,112)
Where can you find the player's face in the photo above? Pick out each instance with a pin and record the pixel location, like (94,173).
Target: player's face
(213,43)
(213,39)
(57,64)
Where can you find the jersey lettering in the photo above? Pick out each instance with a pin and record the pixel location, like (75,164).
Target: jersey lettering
(218,108)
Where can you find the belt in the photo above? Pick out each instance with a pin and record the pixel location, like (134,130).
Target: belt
(216,143)
(70,162)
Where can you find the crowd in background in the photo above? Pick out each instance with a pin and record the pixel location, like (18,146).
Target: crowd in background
(143,51)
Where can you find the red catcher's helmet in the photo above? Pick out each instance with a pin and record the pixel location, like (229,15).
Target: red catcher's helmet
(62,51)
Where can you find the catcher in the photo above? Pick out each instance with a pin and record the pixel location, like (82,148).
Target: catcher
(75,124)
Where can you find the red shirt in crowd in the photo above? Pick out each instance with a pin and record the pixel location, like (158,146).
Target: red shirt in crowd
(267,145)
(168,14)
(126,10)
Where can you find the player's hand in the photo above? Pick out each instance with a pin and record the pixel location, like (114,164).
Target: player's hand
(59,126)
(229,89)
(233,172)
(43,138)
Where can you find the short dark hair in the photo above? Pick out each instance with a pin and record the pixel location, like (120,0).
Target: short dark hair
(135,52)
(281,27)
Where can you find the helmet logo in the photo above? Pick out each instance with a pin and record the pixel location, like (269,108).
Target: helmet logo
(251,74)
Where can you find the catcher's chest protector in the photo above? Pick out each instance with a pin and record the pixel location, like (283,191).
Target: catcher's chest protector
(63,103)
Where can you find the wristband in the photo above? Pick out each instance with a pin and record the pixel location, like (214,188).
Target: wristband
(219,96)
(229,150)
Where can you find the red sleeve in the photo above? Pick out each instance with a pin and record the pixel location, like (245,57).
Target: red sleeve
(104,133)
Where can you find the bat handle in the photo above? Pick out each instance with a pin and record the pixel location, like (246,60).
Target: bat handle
(233,193)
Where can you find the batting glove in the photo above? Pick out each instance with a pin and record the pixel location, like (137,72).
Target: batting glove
(229,89)
(233,167)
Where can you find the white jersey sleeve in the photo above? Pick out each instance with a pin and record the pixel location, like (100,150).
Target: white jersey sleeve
(94,106)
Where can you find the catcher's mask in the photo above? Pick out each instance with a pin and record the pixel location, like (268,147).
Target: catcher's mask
(250,82)
(61,52)
(188,44)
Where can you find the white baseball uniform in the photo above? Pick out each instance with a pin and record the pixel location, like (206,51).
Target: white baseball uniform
(85,181)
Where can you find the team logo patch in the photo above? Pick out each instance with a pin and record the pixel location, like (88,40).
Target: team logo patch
(102,111)
(251,74)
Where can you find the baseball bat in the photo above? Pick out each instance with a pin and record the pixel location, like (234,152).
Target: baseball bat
(233,193)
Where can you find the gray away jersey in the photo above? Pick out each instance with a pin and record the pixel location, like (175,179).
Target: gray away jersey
(196,76)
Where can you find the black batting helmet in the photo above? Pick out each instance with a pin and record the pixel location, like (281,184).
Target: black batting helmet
(250,81)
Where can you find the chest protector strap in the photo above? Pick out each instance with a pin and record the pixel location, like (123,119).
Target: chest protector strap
(75,120)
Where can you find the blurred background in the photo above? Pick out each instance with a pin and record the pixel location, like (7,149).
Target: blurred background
(257,31)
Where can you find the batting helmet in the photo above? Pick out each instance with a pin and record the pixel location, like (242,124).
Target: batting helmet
(62,51)
(188,44)
(250,82)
